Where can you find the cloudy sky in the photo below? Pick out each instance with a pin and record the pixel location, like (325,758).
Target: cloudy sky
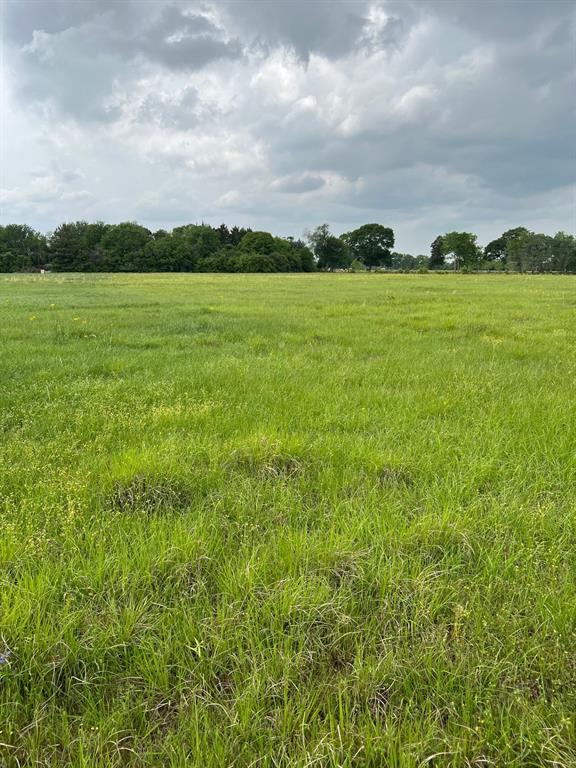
(424,115)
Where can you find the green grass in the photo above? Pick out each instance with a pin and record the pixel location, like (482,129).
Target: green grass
(307,520)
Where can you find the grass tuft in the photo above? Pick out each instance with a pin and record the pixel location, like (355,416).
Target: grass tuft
(150,495)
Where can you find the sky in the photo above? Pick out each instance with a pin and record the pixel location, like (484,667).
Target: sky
(423,115)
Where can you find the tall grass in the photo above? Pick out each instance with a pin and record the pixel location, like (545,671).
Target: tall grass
(305,520)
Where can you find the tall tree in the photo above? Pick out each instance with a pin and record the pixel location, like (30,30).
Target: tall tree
(236,234)
(371,244)
(530,252)
(437,253)
(317,237)
(224,234)
(564,252)
(538,253)
(496,249)
(91,244)
(196,241)
(163,254)
(67,248)
(304,254)
(403,261)
(330,252)
(462,248)
(334,254)
(123,247)
(258,242)
(21,248)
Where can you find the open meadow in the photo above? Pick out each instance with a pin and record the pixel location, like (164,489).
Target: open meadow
(287,521)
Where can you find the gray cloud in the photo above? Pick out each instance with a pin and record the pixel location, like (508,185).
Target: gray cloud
(429,113)
(184,40)
(77,55)
(184,111)
(309,27)
(20,19)
(299,184)
(502,19)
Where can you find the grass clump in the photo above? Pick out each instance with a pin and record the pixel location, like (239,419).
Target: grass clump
(392,476)
(265,459)
(149,495)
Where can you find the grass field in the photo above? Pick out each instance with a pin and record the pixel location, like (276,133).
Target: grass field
(307,520)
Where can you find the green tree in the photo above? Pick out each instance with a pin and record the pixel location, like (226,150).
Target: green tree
(357,266)
(254,262)
(236,235)
(538,253)
(196,241)
(22,249)
(564,252)
(530,252)
(307,263)
(461,248)
(300,256)
(123,247)
(317,238)
(371,244)
(258,242)
(335,254)
(329,251)
(437,259)
(163,254)
(7,261)
(66,248)
(403,261)
(75,246)
(91,240)
(224,234)
(513,254)
(496,249)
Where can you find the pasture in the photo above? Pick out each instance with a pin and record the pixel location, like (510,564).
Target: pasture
(287,521)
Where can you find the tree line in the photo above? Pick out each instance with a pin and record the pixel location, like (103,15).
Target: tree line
(129,247)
